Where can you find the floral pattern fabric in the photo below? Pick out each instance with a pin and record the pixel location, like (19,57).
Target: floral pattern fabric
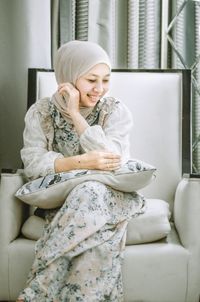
(79,256)
(66,139)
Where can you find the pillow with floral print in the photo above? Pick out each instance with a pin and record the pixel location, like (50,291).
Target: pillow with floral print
(51,191)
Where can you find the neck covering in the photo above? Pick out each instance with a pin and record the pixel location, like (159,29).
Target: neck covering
(73,59)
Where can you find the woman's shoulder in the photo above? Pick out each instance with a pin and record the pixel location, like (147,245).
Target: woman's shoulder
(113,109)
(42,106)
(110,100)
(39,113)
(111,104)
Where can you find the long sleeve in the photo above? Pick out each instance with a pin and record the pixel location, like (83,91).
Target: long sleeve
(38,161)
(113,136)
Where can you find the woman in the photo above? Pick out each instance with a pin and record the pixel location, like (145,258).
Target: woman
(78,258)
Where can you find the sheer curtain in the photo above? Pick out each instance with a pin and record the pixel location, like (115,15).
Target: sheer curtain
(128,30)
(138,34)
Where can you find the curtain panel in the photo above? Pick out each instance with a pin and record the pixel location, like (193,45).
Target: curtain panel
(128,30)
(138,34)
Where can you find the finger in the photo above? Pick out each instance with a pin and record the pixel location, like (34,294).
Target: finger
(109,155)
(65,86)
(61,86)
(63,93)
(113,161)
(63,90)
(112,167)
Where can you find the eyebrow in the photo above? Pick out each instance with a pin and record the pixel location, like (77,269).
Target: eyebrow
(96,75)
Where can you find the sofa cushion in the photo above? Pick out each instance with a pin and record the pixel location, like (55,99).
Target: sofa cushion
(151,226)
(33,227)
(51,191)
(156,272)
(148,227)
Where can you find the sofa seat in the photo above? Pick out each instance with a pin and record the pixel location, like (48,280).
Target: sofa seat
(21,254)
(156,264)
(167,260)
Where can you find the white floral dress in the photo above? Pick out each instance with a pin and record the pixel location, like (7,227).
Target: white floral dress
(79,256)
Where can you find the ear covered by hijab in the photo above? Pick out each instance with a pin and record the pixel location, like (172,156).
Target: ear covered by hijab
(75,58)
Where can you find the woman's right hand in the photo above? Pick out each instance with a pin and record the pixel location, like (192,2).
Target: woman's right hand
(92,160)
(71,96)
(100,160)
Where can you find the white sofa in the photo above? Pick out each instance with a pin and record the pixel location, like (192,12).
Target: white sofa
(166,270)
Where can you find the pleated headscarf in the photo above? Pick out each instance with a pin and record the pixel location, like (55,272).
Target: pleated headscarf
(74,59)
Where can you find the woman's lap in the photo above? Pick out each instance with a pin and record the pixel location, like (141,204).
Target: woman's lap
(79,254)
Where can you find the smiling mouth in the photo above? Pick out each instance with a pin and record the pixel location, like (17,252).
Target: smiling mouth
(94,97)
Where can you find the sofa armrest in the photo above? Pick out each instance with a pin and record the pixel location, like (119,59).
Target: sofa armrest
(12,210)
(187,212)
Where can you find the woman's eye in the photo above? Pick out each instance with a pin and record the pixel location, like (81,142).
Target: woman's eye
(94,81)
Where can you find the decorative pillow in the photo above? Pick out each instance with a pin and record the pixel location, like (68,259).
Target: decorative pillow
(33,227)
(51,191)
(151,226)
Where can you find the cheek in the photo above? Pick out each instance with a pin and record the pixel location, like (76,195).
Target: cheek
(106,88)
(83,89)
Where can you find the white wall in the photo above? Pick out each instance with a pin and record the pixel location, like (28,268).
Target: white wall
(24,43)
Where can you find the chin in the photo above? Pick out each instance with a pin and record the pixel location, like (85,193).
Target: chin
(86,105)
(92,105)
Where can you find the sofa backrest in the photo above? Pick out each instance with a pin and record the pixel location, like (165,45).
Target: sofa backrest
(160,104)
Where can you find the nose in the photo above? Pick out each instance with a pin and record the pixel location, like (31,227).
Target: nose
(99,87)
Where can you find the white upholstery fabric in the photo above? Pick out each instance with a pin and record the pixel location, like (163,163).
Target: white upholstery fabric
(150,226)
(33,227)
(11,214)
(21,255)
(46,84)
(9,183)
(186,206)
(187,222)
(156,272)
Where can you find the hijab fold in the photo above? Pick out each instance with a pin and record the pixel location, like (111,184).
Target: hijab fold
(73,60)
(61,104)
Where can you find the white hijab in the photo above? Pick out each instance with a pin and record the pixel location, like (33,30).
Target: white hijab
(73,59)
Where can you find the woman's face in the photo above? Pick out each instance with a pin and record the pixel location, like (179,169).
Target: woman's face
(93,85)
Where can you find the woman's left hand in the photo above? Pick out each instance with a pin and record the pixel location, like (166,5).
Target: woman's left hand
(71,96)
